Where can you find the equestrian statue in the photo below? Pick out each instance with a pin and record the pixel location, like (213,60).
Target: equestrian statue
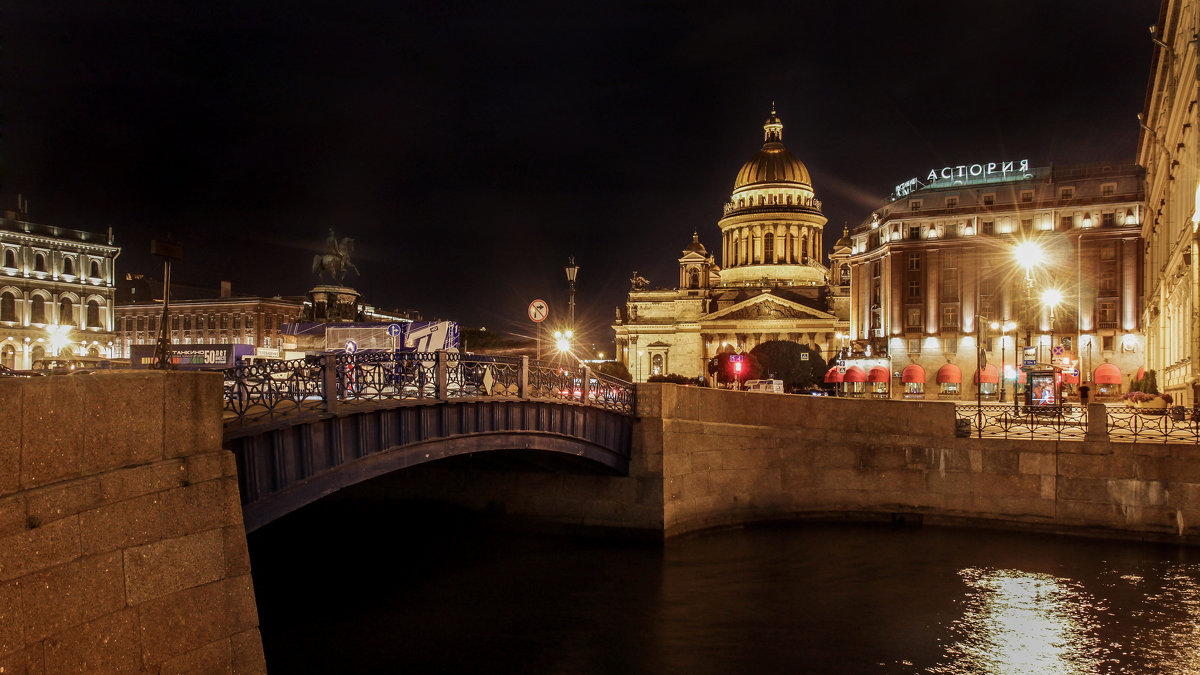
(335,260)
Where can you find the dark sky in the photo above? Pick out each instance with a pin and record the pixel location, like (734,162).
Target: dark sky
(469,148)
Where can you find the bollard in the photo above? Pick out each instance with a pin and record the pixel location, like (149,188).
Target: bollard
(1097,422)
(440,387)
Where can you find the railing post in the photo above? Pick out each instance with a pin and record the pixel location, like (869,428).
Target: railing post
(1097,422)
(440,374)
(329,379)
(587,384)
(523,382)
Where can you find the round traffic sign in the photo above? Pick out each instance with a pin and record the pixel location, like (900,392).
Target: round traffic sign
(538,311)
(351,346)
(394,329)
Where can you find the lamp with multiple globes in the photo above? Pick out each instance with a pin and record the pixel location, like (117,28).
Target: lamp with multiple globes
(1004,328)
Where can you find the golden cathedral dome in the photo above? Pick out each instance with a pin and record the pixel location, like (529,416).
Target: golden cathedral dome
(772,164)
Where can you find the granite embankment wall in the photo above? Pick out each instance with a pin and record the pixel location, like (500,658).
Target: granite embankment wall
(705,458)
(731,457)
(121,540)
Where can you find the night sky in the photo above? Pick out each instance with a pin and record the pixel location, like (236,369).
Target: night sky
(470,148)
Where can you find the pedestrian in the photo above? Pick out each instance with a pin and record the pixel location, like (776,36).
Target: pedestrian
(1084,390)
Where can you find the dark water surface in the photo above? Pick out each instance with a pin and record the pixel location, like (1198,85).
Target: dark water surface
(351,590)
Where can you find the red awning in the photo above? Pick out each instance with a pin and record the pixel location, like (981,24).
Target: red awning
(879,374)
(854,374)
(833,376)
(1141,372)
(990,375)
(949,373)
(913,373)
(1107,374)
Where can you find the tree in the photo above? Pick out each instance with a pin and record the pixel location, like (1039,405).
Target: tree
(799,366)
(614,369)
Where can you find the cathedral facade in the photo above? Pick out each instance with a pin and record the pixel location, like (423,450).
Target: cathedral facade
(770,285)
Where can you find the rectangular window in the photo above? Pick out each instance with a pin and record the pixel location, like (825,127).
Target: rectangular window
(1066,193)
(141,323)
(249,322)
(1108,282)
(1065,222)
(237,322)
(914,231)
(1107,312)
(914,345)
(914,317)
(187,323)
(950,288)
(174,323)
(212,322)
(1106,343)
(989,200)
(915,204)
(1026,225)
(914,289)
(1108,190)
(1026,196)
(914,261)
(951,202)
(1106,220)
(1108,250)
(985,287)
(949,345)
(988,227)
(949,261)
(949,316)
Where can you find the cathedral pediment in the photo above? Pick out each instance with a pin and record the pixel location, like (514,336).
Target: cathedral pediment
(768,307)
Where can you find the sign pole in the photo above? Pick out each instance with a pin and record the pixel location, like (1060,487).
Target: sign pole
(538,311)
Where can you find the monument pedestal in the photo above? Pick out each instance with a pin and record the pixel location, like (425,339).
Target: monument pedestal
(328,303)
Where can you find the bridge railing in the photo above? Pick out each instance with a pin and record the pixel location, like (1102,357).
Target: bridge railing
(321,383)
(1176,424)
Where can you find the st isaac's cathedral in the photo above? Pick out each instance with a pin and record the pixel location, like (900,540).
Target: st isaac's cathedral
(771,284)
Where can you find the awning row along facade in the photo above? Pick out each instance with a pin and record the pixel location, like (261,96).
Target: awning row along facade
(1105,374)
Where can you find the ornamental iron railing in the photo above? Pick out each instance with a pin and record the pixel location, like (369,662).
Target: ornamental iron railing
(1174,424)
(279,388)
(1060,422)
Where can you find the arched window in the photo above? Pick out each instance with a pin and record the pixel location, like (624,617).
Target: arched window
(37,309)
(656,364)
(93,317)
(95,270)
(66,311)
(769,247)
(8,356)
(39,263)
(789,199)
(68,267)
(694,279)
(37,353)
(735,250)
(93,351)
(8,306)
(10,258)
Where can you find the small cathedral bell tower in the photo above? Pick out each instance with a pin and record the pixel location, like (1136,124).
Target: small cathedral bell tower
(695,266)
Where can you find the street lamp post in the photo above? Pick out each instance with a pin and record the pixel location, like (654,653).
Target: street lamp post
(1050,298)
(1028,254)
(572,270)
(1004,328)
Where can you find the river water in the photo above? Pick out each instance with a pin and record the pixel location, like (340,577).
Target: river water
(350,589)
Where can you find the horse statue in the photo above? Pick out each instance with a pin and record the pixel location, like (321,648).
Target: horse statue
(335,260)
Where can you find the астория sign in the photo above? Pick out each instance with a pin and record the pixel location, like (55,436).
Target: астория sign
(963,173)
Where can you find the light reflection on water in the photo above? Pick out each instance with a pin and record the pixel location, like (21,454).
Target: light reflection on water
(1021,622)
(456,597)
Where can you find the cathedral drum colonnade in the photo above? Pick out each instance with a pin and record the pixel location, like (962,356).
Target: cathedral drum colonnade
(772,284)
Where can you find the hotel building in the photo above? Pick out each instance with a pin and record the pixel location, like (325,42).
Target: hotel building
(934,268)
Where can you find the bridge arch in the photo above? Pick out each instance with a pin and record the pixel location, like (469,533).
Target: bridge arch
(294,462)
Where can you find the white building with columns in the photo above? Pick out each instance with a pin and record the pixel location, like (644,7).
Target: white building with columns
(771,283)
(56,292)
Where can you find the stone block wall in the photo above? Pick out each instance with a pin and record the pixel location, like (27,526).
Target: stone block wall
(121,540)
(732,457)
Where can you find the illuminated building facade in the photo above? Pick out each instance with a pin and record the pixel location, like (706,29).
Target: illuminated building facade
(1168,150)
(770,285)
(56,292)
(225,320)
(939,262)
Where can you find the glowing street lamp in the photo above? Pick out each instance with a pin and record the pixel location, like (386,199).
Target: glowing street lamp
(1051,297)
(1028,254)
(1004,328)
(562,340)
(59,338)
